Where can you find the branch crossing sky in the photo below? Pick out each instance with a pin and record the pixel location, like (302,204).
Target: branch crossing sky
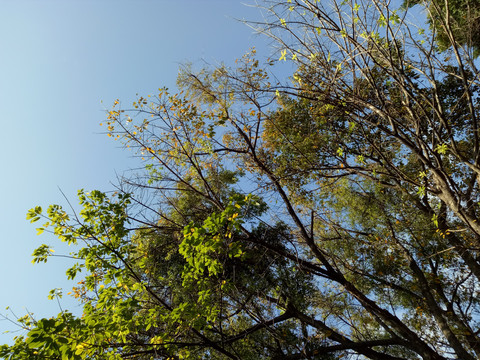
(59,59)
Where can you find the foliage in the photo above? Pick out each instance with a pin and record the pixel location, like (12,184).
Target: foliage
(457,20)
(333,215)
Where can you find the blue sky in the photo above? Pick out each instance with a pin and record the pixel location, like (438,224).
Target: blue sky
(58,61)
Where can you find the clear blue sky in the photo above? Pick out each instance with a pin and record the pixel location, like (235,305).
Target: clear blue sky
(58,61)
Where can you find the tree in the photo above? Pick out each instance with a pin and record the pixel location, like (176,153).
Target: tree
(457,23)
(334,215)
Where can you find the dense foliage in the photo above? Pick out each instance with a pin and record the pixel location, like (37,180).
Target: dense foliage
(334,215)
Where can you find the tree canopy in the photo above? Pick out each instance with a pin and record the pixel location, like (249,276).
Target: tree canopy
(456,23)
(330,215)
